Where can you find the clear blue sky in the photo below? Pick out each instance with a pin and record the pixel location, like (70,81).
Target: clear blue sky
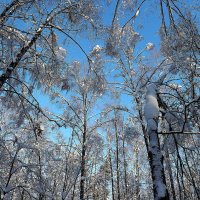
(147,24)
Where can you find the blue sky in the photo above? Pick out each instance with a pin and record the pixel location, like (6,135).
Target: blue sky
(147,24)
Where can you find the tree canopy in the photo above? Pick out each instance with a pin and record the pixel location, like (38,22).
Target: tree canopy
(99,100)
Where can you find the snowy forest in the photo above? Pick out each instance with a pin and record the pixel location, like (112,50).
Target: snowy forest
(99,100)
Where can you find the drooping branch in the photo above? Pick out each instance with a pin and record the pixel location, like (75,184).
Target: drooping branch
(70,37)
(115,13)
(133,17)
(27,46)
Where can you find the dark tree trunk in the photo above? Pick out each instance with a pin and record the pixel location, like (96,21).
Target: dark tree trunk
(8,11)
(125,171)
(111,173)
(117,158)
(168,164)
(83,152)
(157,170)
(137,174)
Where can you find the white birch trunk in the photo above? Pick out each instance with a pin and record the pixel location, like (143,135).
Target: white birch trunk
(151,112)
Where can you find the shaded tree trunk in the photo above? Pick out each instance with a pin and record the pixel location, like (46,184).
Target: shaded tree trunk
(170,174)
(111,173)
(117,159)
(83,152)
(137,174)
(157,170)
(125,171)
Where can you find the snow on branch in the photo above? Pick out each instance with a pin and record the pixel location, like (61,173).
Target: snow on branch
(151,108)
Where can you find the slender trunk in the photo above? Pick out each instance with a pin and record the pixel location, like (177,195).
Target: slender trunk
(82,182)
(74,187)
(83,152)
(181,170)
(171,18)
(137,174)
(11,167)
(117,158)
(22,195)
(73,193)
(168,164)
(163,18)
(66,177)
(125,171)
(191,176)
(41,195)
(177,178)
(111,172)
(10,171)
(95,192)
